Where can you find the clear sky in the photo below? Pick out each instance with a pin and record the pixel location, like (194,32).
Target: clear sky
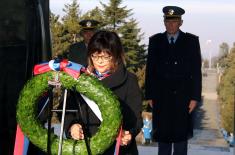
(212,20)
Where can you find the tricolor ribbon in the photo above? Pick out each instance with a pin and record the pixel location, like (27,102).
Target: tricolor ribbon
(21,143)
(71,68)
(118,141)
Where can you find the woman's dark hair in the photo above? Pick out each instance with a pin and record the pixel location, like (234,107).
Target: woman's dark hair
(106,41)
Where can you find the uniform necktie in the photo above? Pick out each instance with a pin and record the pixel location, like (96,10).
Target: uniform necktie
(172,40)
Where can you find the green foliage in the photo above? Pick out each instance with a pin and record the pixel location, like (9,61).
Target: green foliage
(113,17)
(118,18)
(223,54)
(95,14)
(224,49)
(87,85)
(135,51)
(59,35)
(71,21)
(140,73)
(227,91)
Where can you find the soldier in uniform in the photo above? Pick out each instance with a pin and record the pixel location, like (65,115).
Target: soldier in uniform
(173,83)
(78,51)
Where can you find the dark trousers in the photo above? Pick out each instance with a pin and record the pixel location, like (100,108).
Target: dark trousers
(179,148)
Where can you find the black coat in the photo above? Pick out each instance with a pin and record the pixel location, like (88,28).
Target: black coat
(78,53)
(173,78)
(125,85)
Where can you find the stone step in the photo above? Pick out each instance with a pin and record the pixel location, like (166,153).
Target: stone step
(208,137)
(204,142)
(213,70)
(193,149)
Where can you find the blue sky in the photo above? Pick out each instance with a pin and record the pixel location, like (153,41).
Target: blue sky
(209,19)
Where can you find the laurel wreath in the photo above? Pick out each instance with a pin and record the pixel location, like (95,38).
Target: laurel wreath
(86,85)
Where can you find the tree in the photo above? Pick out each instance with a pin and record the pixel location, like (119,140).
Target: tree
(114,15)
(232,50)
(95,14)
(135,51)
(223,50)
(140,73)
(118,19)
(226,91)
(59,44)
(71,21)
(205,63)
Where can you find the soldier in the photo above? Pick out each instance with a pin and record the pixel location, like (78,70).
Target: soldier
(173,83)
(78,51)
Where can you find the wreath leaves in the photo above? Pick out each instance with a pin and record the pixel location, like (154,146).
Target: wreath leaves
(88,86)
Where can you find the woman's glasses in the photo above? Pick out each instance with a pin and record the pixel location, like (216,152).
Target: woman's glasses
(104,58)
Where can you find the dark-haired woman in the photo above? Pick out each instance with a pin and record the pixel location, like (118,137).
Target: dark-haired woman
(106,62)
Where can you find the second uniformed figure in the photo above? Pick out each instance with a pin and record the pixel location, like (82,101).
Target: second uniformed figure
(78,51)
(173,83)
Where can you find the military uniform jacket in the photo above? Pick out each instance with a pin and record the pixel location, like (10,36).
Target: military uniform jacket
(78,53)
(125,85)
(173,78)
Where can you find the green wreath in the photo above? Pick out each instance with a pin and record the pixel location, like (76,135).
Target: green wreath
(85,84)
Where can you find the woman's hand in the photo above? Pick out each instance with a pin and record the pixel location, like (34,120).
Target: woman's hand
(76,132)
(126,138)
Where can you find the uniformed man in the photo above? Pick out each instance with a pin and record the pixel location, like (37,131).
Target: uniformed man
(173,83)
(78,51)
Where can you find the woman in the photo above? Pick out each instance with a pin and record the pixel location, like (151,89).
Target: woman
(106,62)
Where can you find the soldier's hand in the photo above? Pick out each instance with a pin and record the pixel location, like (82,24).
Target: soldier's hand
(76,132)
(192,105)
(150,103)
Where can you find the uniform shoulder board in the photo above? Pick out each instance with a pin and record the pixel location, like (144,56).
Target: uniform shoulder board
(155,35)
(191,35)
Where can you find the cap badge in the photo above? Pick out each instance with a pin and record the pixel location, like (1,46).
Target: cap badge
(171,12)
(88,24)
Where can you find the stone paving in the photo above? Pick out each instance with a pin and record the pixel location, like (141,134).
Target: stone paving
(207,118)
(192,150)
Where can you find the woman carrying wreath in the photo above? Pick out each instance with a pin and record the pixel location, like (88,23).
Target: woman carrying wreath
(106,62)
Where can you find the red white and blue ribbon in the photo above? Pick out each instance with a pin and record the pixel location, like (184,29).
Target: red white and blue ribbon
(118,141)
(21,143)
(71,68)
